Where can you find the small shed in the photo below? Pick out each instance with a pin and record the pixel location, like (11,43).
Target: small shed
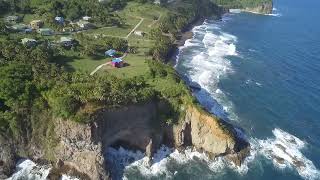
(139,33)
(36,24)
(28,42)
(45,31)
(86,18)
(110,52)
(66,41)
(68,29)
(59,19)
(117,62)
(85,24)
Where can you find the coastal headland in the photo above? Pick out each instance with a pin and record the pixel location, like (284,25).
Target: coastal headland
(61,116)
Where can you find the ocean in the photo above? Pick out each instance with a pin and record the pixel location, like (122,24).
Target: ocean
(261,73)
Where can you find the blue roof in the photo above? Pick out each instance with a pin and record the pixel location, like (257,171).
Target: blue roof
(110,52)
(116,60)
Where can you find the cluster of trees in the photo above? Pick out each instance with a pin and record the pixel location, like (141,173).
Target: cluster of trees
(163,48)
(21,6)
(25,73)
(31,81)
(241,3)
(79,94)
(71,9)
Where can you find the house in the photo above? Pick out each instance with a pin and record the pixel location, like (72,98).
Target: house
(12,19)
(45,31)
(117,62)
(59,20)
(36,24)
(86,18)
(139,33)
(29,42)
(68,29)
(85,24)
(157,2)
(66,41)
(19,27)
(110,52)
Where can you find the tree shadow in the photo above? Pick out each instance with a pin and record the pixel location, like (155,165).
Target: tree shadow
(65,60)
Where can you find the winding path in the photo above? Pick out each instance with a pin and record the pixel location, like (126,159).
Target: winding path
(108,63)
(99,67)
(142,19)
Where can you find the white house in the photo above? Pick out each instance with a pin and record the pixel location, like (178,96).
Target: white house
(66,41)
(86,18)
(84,24)
(28,42)
(139,33)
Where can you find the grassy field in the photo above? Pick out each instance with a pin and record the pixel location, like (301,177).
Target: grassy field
(131,15)
(135,63)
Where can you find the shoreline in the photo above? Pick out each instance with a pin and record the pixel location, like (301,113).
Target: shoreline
(183,37)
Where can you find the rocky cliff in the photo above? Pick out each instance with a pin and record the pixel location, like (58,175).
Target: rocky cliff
(263,8)
(80,147)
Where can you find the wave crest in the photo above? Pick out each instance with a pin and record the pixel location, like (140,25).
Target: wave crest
(285,151)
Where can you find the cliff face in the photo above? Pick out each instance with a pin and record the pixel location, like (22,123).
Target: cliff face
(210,134)
(7,157)
(80,147)
(78,150)
(264,8)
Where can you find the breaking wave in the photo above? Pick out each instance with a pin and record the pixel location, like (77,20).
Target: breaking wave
(29,170)
(275,13)
(167,163)
(284,150)
(207,62)
(26,169)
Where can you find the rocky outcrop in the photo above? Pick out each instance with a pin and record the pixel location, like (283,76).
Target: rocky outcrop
(80,147)
(7,157)
(77,149)
(264,8)
(210,134)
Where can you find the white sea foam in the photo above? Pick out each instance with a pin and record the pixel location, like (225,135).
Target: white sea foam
(250,81)
(284,150)
(275,14)
(26,169)
(165,157)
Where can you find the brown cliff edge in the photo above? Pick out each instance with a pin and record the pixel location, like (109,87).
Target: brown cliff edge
(80,147)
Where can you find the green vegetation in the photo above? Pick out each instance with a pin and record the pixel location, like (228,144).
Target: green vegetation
(241,3)
(49,80)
